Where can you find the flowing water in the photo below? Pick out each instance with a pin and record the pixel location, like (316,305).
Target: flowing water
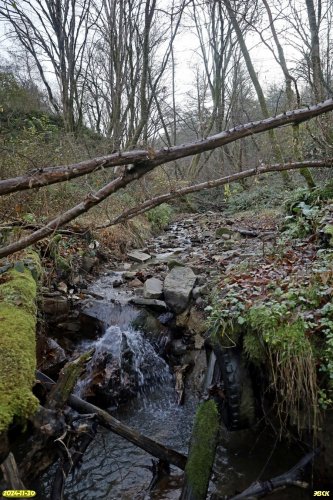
(112,467)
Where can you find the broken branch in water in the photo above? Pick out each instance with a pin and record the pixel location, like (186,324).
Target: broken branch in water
(289,478)
(106,420)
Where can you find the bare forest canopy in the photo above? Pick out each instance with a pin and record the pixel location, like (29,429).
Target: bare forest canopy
(148,83)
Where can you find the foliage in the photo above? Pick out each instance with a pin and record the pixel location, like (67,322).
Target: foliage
(280,308)
(160,216)
(260,195)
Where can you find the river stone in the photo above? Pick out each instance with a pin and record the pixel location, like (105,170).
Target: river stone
(158,305)
(138,256)
(178,286)
(153,289)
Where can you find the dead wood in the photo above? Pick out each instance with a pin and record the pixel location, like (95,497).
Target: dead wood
(71,455)
(11,474)
(106,420)
(290,478)
(158,200)
(140,158)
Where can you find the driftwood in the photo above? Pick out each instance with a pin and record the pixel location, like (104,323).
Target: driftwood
(106,420)
(180,372)
(290,478)
(11,474)
(70,458)
(49,421)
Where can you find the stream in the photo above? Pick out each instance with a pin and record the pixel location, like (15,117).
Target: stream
(114,469)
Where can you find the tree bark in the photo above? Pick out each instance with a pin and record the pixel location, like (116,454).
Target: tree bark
(158,200)
(52,175)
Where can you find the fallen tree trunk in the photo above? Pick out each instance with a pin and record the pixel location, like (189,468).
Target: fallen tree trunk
(290,478)
(158,200)
(18,290)
(202,452)
(51,175)
(106,420)
(96,198)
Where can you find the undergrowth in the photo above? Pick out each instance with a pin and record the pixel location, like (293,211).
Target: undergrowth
(280,310)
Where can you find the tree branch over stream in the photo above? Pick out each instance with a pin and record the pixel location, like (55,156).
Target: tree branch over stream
(51,175)
(142,166)
(158,200)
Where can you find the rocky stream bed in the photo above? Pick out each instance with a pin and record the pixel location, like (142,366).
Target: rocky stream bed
(145,318)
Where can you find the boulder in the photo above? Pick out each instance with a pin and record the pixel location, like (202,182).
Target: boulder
(138,256)
(178,286)
(153,289)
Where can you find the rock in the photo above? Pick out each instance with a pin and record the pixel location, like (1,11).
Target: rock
(201,280)
(178,286)
(55,305)
(166,318)
(50,356)
(178,348)
(129,275)
(135,283)
(138,256)
(158,305)
(88,263)
(117,283)
(153,289)
(200,302)
(174,263)
(198,291)
(220,231)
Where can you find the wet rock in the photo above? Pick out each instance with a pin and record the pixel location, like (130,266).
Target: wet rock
(136,283)
(158,305)
(70,326)
(178,286)
(56,305)
(88,263)
(166,318)
(175,263)
(129,275)
(50,356)
(178,347)
(117,283)
(153,289)
(138,256)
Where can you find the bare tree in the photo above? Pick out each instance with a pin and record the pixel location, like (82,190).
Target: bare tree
(55,31)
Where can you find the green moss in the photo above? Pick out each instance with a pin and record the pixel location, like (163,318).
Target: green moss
(202,451)
(17,346)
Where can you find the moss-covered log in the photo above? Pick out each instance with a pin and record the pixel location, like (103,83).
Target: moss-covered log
(17,341)
(202,452)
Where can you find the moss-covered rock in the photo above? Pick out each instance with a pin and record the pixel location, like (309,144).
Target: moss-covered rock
(17,344)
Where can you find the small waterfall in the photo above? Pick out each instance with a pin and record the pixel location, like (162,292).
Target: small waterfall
(123,361)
